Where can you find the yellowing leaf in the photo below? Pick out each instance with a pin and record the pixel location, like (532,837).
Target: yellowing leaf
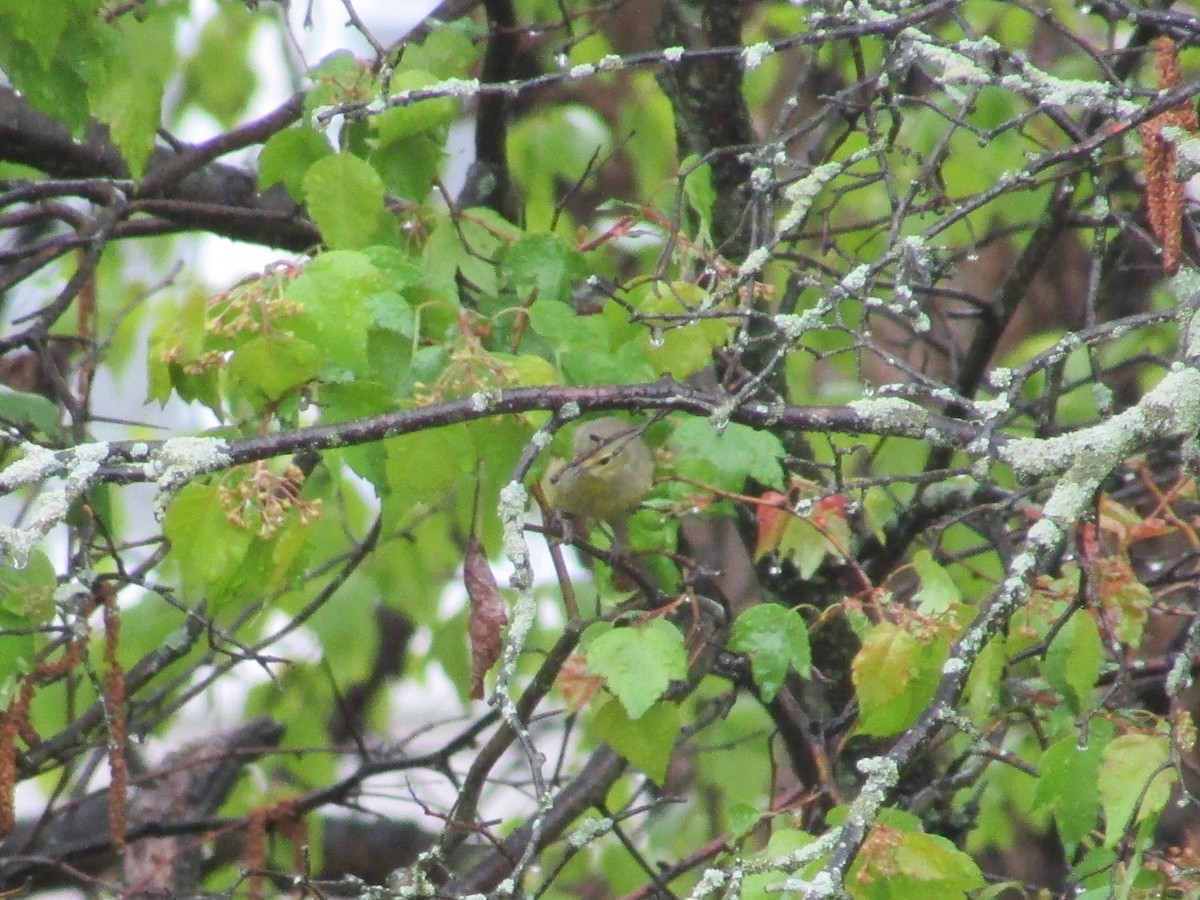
(914,864)
(1133,784)
(895,676)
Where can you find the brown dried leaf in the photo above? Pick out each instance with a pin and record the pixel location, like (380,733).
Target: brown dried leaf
(576,684)
(488,615)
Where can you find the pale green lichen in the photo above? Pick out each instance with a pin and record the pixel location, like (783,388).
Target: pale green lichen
(712,880)
(753,56)
(762,178)
(85,460)
(513,501)
(1069,501)
(1054,91)
(590,829)
(1169,409)
(754,262)
(953,665)
(482,401)
(800,194)
(52,504)
(1187,150)
(450,87)
(179,461)
(855,280)
(954,63)
(794,326)
(882,774)
(35,465)
(892,415)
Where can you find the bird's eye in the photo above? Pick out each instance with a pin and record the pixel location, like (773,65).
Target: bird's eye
(604,460)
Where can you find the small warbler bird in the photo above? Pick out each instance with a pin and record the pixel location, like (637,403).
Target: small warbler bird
(609,474)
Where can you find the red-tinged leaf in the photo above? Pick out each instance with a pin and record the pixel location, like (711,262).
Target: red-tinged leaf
(833,506)
(577,686)
(772,518)
(895,675)
(1089,541)
(488,615)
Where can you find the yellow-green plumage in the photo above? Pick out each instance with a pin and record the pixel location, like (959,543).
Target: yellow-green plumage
(610,472)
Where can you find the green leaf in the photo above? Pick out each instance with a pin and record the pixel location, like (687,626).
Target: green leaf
(423,465)
(345,198)
(698,188)
(179,336)
(42,24)
(269,366)
(783,841)
(27,592)
(938,594)
(1074,660)
(545,264)
(675,349)
(555,146)
(128,97)
(414,118)
(776,639)
(464,249)
(983,684)
(409,165)
(338,78)
(1068,784)
(333,291)
(288,155)
(727,459)
(638,663)
(743,818)
(559,324)
(205,544)
(1132,787)
(646,742)
(806,545)
(895,676)
(447,51)
(80,49)
(218,77)
(28,410)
